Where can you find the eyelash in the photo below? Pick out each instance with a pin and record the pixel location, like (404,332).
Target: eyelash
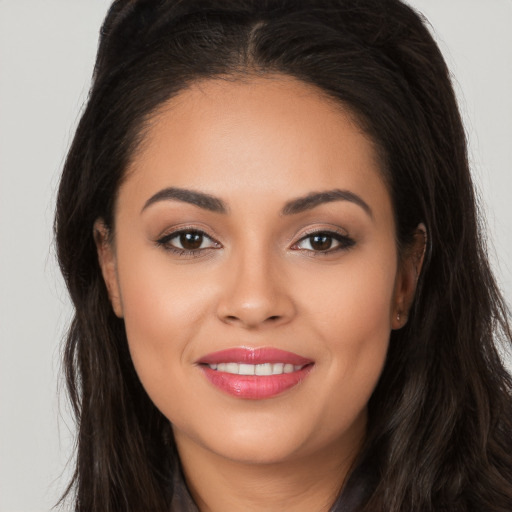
(164,242)
(345,242)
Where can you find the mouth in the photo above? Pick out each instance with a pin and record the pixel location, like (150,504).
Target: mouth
(256,369)
(254,373)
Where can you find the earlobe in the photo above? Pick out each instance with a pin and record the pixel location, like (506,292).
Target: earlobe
(407,277)
(107,262)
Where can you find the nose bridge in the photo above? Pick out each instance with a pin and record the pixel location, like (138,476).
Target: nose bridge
(255,292)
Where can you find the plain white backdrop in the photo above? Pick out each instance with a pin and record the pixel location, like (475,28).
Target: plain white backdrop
(47,51)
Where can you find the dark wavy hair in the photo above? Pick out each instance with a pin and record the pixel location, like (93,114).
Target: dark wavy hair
(440,419)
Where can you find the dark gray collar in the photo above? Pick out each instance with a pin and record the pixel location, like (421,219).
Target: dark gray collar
(355,492)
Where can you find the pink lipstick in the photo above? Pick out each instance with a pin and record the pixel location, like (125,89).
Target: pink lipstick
(254,373)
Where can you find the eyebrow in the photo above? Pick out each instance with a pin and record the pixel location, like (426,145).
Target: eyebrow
(200,199)
(314,199)
(292,207)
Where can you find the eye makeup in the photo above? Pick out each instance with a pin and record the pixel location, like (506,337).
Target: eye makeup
(189,242)
(193,238)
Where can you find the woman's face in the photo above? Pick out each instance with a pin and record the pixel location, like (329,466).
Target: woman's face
(255,217)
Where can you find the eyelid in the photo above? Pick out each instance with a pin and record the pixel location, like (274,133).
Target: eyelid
(170,231)
(176,234)
(163,241)
(344,240)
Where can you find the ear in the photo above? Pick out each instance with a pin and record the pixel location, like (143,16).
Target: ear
(108,264)
(407,277)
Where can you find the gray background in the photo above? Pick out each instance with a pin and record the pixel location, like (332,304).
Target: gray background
(47,52)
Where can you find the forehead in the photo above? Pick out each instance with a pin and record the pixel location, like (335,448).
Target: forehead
(275,136)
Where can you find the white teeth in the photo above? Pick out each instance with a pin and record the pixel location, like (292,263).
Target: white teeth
(231,367)
(246,369)
(263,369)
(278,368)
(255,369)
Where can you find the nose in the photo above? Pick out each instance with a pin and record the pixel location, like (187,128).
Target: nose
(255,293)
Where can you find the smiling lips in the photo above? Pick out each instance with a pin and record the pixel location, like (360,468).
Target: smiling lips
(254,373)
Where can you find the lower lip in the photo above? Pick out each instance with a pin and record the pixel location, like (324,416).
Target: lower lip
(254,387)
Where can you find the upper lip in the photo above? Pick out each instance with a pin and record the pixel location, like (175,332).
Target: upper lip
(250,355)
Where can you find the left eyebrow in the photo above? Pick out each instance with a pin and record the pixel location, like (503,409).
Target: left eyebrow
(312,200)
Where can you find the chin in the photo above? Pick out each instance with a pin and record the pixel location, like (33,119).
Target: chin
(259,452)
(264,441)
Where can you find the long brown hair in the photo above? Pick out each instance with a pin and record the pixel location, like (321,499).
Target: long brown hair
(440,419)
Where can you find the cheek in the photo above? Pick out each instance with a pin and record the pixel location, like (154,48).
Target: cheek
(162,310)
(351,303)
(351,315)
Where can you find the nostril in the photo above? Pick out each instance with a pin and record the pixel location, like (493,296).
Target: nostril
(272,318)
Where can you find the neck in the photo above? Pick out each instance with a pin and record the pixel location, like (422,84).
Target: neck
(307,483)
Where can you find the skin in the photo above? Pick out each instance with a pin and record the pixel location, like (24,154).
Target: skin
(259,282)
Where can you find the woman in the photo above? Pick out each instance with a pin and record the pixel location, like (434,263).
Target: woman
(267,226)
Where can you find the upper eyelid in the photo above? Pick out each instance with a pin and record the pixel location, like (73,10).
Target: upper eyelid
(315,231)
(329,231)
(174,233)
(341,238)
(309,233)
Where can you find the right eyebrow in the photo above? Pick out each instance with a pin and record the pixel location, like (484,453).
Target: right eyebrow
(200,199)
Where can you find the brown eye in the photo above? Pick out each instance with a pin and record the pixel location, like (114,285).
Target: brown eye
(191,240)
(321,242)
(324,242)
(186,242)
